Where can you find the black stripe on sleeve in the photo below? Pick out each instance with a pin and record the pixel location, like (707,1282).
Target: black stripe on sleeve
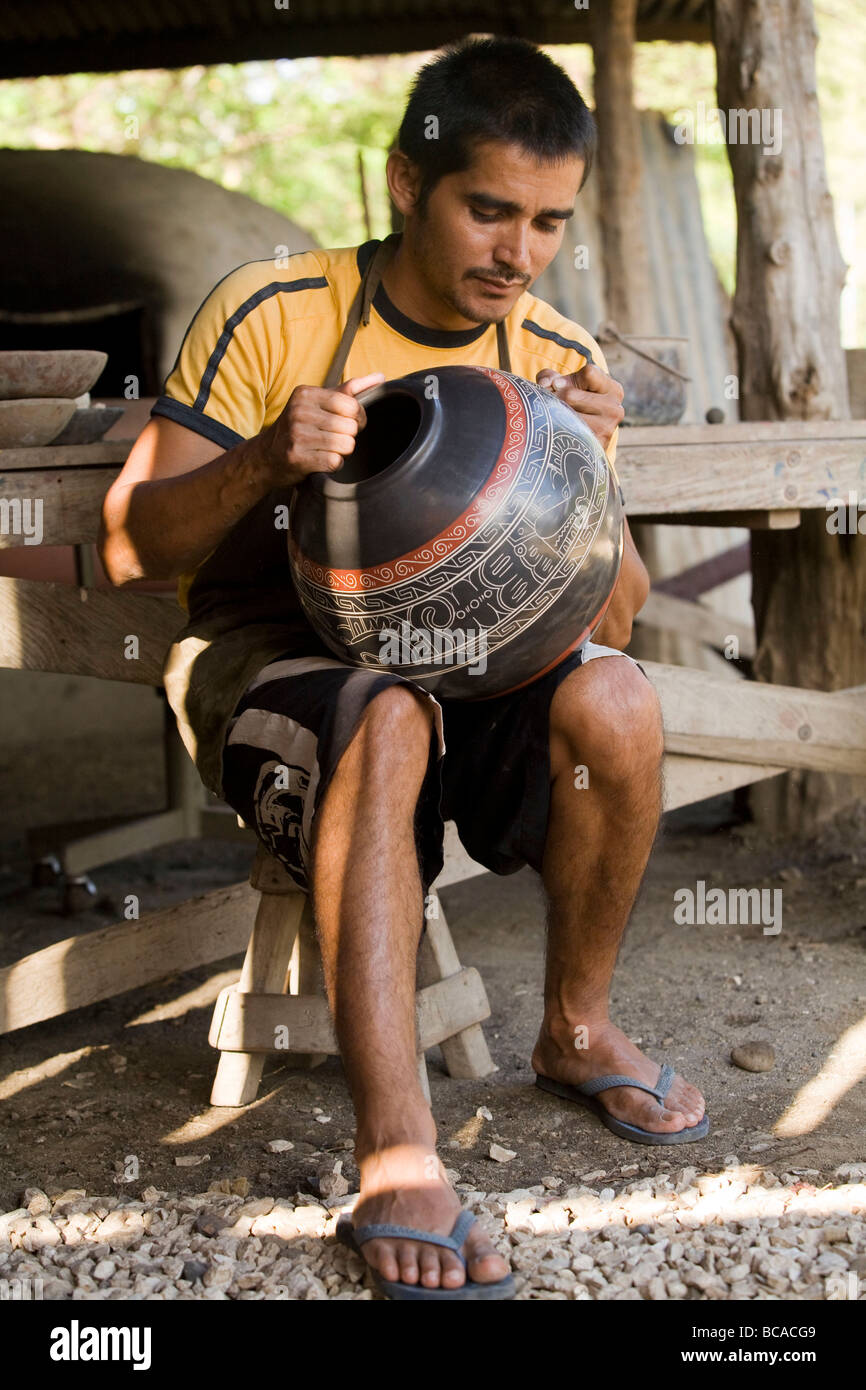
(558,339)
(197,421)
(310,282)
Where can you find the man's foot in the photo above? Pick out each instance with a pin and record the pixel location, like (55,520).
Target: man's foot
(404,1184)
(609,1051)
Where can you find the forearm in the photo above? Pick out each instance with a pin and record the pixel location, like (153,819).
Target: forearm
(160,528)
(629,597)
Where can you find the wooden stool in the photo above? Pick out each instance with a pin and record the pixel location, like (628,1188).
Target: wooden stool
(279,1004)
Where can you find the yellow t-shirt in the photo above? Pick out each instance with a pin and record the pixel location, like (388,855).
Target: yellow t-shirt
(268,327)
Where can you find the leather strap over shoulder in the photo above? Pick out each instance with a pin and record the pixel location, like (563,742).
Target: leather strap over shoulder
(359,313)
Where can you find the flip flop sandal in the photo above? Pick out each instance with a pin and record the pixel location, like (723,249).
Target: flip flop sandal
(395,1288)
(586,1092)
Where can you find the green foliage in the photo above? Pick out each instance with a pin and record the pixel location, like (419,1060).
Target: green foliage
(288,133)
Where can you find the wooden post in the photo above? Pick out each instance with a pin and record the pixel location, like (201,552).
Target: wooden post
(620,178)
(809,585)
(618,168)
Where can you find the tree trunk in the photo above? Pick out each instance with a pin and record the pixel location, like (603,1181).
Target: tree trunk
(808,586)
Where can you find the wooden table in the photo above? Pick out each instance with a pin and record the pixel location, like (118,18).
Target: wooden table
(754,474)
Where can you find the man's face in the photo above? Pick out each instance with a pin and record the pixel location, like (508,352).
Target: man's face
(487,233)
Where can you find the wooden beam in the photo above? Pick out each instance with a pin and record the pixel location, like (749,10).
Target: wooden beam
(754,520)
(698,622)
(686,780)
(458,865)
(707,575)
(720,472)
(70,503)
(252,1022)
(51,456)
(749,722)
(85,632)
(100,964)
(793,432)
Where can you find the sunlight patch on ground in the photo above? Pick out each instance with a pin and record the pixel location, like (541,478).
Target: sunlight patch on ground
(845,1066)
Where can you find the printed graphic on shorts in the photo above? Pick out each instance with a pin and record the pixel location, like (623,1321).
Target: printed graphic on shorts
(279,801)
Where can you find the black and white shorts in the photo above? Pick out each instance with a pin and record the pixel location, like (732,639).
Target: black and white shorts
(488,769)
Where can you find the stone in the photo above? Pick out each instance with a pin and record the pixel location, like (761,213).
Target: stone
(331,1181)
(279,1146)
(36,1201)
(210,1223)
(754,1056)
(193,1270)
(105,1269)
(501,1155)
(191,1160)
(832,1235)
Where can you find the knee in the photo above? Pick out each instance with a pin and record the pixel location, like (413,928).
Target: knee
(395,728)
(606,715)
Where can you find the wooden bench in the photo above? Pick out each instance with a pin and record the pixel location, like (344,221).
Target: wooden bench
(720,733)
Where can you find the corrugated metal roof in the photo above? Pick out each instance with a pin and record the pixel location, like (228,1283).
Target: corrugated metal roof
(58,36)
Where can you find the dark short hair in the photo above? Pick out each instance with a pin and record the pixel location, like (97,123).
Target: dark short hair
(493,89)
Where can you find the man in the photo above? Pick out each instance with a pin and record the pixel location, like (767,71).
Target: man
(342,771)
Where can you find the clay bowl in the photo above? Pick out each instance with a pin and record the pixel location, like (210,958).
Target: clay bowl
(27,424)
(67,372)
(89,424)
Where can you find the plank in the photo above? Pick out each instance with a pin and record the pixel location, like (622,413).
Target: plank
(97,965)
(466,1054)
(249,1022)
(70,503)
(696,621)
(264,971)
(57,627)
(51,456)
(687,780)
(750,722)
(742,467)
(744,432)
(458,865)
(782,519)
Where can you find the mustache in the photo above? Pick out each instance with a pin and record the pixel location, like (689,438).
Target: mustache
(496,275)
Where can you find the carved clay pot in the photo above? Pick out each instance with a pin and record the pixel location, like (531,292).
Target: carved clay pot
(471,540)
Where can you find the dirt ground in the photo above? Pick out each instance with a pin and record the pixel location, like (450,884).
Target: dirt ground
(130,1077)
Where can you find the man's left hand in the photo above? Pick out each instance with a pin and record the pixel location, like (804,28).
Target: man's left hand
(592,394)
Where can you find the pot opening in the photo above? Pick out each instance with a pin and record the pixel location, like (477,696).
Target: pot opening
(393,421)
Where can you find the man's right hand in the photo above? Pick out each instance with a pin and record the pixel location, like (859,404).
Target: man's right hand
(315,432)
(177,496)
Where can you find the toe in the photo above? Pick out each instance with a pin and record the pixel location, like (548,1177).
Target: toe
(453,1273)
(485,1264)
(382,1255)
(687,1100)
(430,1266)
(658,1118)
(407,1257)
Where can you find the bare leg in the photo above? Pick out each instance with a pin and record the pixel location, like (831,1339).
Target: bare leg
(369,911)
(605,716)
